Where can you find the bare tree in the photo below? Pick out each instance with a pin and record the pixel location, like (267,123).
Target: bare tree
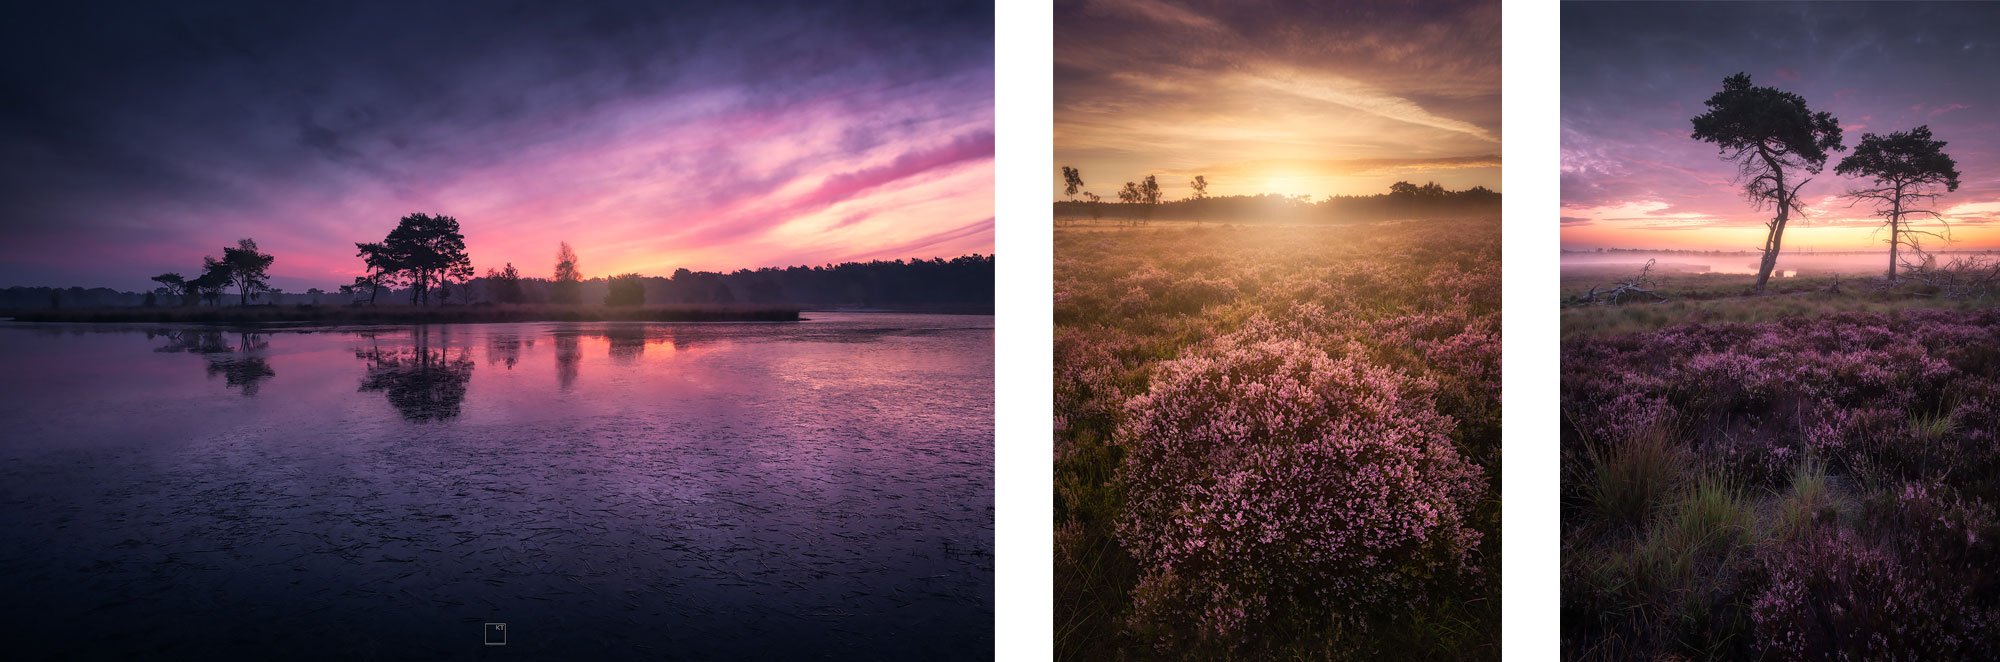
(1771,135)
(1907,168)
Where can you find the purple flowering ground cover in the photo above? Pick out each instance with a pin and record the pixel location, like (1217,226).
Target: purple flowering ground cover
(1817,486)
(1278,442)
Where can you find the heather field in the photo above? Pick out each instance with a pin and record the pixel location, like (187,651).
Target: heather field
(1278,442)
(1807,474)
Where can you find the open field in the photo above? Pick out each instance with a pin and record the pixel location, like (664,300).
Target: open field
(308,314)
(1803,474)
(1278,442)
(1710,297)
(1817,487)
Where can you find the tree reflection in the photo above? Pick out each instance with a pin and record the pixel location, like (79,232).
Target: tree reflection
(422,383)
(569,356)
(241,363)
(626,342)
(506,349)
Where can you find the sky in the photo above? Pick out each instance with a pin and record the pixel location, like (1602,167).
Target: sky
(1294,98)
(1634,76)
(651,137)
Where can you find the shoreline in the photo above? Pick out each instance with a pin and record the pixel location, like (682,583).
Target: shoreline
(341,315)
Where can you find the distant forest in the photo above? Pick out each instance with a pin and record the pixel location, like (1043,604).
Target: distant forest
(1403,201)
(961,283)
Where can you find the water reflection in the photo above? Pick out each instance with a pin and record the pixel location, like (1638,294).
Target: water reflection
(569,357)
(704,486)
(506,349)
(627,343)
(241,364)
(422,383)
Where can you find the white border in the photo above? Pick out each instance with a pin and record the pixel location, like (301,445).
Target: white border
(1024,325)
(1531,171)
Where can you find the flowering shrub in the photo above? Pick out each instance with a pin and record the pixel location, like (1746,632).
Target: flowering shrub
(1287,436)
(1843,386)
(1887,421)
(1263,475)
(1835,596)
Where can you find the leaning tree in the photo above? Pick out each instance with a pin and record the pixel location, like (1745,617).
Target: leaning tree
(1908,168)
(1772,137)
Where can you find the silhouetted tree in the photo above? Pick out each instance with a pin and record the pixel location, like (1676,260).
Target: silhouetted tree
(247,268)
(314,292)
(505,284)
(175,287)
(422,251)
(1771,135)
(215,276)
(1073,184)
(1198,193)
(624,290)
(370,283)
(568,281)
(1907,167)
(1145,192)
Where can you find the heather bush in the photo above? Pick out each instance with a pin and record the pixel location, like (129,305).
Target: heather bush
(1350,510)
(1856,521)
(1267,479)
(1834,595)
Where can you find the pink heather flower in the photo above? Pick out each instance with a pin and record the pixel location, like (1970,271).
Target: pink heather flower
(1263,471)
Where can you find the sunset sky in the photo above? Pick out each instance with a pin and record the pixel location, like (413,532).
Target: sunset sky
(1633,75)
(1315,98)
(650,137)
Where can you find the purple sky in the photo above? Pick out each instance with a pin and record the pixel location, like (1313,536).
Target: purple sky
(650,136)
(1634,74)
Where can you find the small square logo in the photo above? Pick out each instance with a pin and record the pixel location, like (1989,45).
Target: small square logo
(496,634)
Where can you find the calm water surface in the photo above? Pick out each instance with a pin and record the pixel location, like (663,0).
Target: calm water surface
(821,489)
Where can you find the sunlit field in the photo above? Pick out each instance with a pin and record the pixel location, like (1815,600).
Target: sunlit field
(1278,442)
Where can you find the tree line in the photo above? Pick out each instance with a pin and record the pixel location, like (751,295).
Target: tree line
(424,257)
(1141,202)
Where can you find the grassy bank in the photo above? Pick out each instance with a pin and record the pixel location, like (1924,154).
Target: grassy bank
(1707,297)
(308,314)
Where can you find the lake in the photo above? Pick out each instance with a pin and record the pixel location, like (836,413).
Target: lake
(813,489)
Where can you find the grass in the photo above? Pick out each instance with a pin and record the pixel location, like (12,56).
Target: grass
(479,313)
(1707,298)
(1631,479)
(1807,503)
